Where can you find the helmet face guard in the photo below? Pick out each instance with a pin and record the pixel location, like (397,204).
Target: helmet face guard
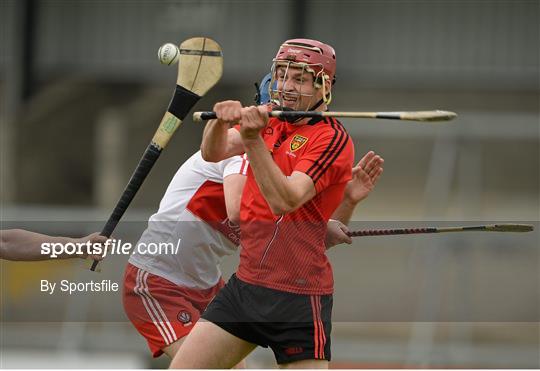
(282,71)
(307,56)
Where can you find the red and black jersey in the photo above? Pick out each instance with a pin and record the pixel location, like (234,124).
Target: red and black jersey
(287,252)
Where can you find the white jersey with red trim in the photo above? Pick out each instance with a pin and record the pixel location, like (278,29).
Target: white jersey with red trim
(192,220)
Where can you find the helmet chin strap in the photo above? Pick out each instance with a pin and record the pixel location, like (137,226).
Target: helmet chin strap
(291,120)
(317,105)
(326,97)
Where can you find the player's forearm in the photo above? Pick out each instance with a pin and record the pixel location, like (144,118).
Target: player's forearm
(344,211)
(274,185)
(214,141)
(18,244)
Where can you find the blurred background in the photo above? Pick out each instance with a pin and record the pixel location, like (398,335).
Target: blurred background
(82,93)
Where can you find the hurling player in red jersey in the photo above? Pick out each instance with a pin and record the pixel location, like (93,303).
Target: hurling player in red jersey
(281,295)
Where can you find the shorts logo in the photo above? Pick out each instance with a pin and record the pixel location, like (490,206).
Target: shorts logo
(293,350)
(185,318)
(297,142)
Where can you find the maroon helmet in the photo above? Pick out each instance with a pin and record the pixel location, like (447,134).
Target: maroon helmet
(316,55)
(311,56)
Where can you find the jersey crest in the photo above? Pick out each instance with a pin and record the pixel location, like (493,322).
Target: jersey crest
(297,142)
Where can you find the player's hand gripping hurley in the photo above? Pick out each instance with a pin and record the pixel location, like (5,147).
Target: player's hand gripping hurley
(200,67)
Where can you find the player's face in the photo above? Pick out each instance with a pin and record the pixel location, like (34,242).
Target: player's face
(295,87)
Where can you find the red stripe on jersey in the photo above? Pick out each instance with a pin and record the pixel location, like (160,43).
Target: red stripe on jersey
(211,193)
(243,169)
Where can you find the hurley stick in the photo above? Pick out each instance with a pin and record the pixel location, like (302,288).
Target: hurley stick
(479,228)
(199,69)
(426,116)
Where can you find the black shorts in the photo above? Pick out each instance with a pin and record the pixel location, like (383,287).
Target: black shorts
(294,326)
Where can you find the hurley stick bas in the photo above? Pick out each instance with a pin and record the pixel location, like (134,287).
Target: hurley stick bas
(426,116)
(200,67)
(478,228)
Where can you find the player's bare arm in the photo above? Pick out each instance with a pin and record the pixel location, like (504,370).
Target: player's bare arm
(22,245)
(219,140)
(283,193)
(232,188)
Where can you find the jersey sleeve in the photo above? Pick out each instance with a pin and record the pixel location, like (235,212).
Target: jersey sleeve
(329,158)
(235,165)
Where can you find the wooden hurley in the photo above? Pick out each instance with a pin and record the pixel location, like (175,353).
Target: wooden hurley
(426,116)
(479,228)
(200,67)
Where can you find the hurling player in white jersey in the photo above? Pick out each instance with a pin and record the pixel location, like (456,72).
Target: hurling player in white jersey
(165,294)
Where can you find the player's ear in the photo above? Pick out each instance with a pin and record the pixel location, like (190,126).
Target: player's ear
(326,89)
(328,84)
(323,82)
